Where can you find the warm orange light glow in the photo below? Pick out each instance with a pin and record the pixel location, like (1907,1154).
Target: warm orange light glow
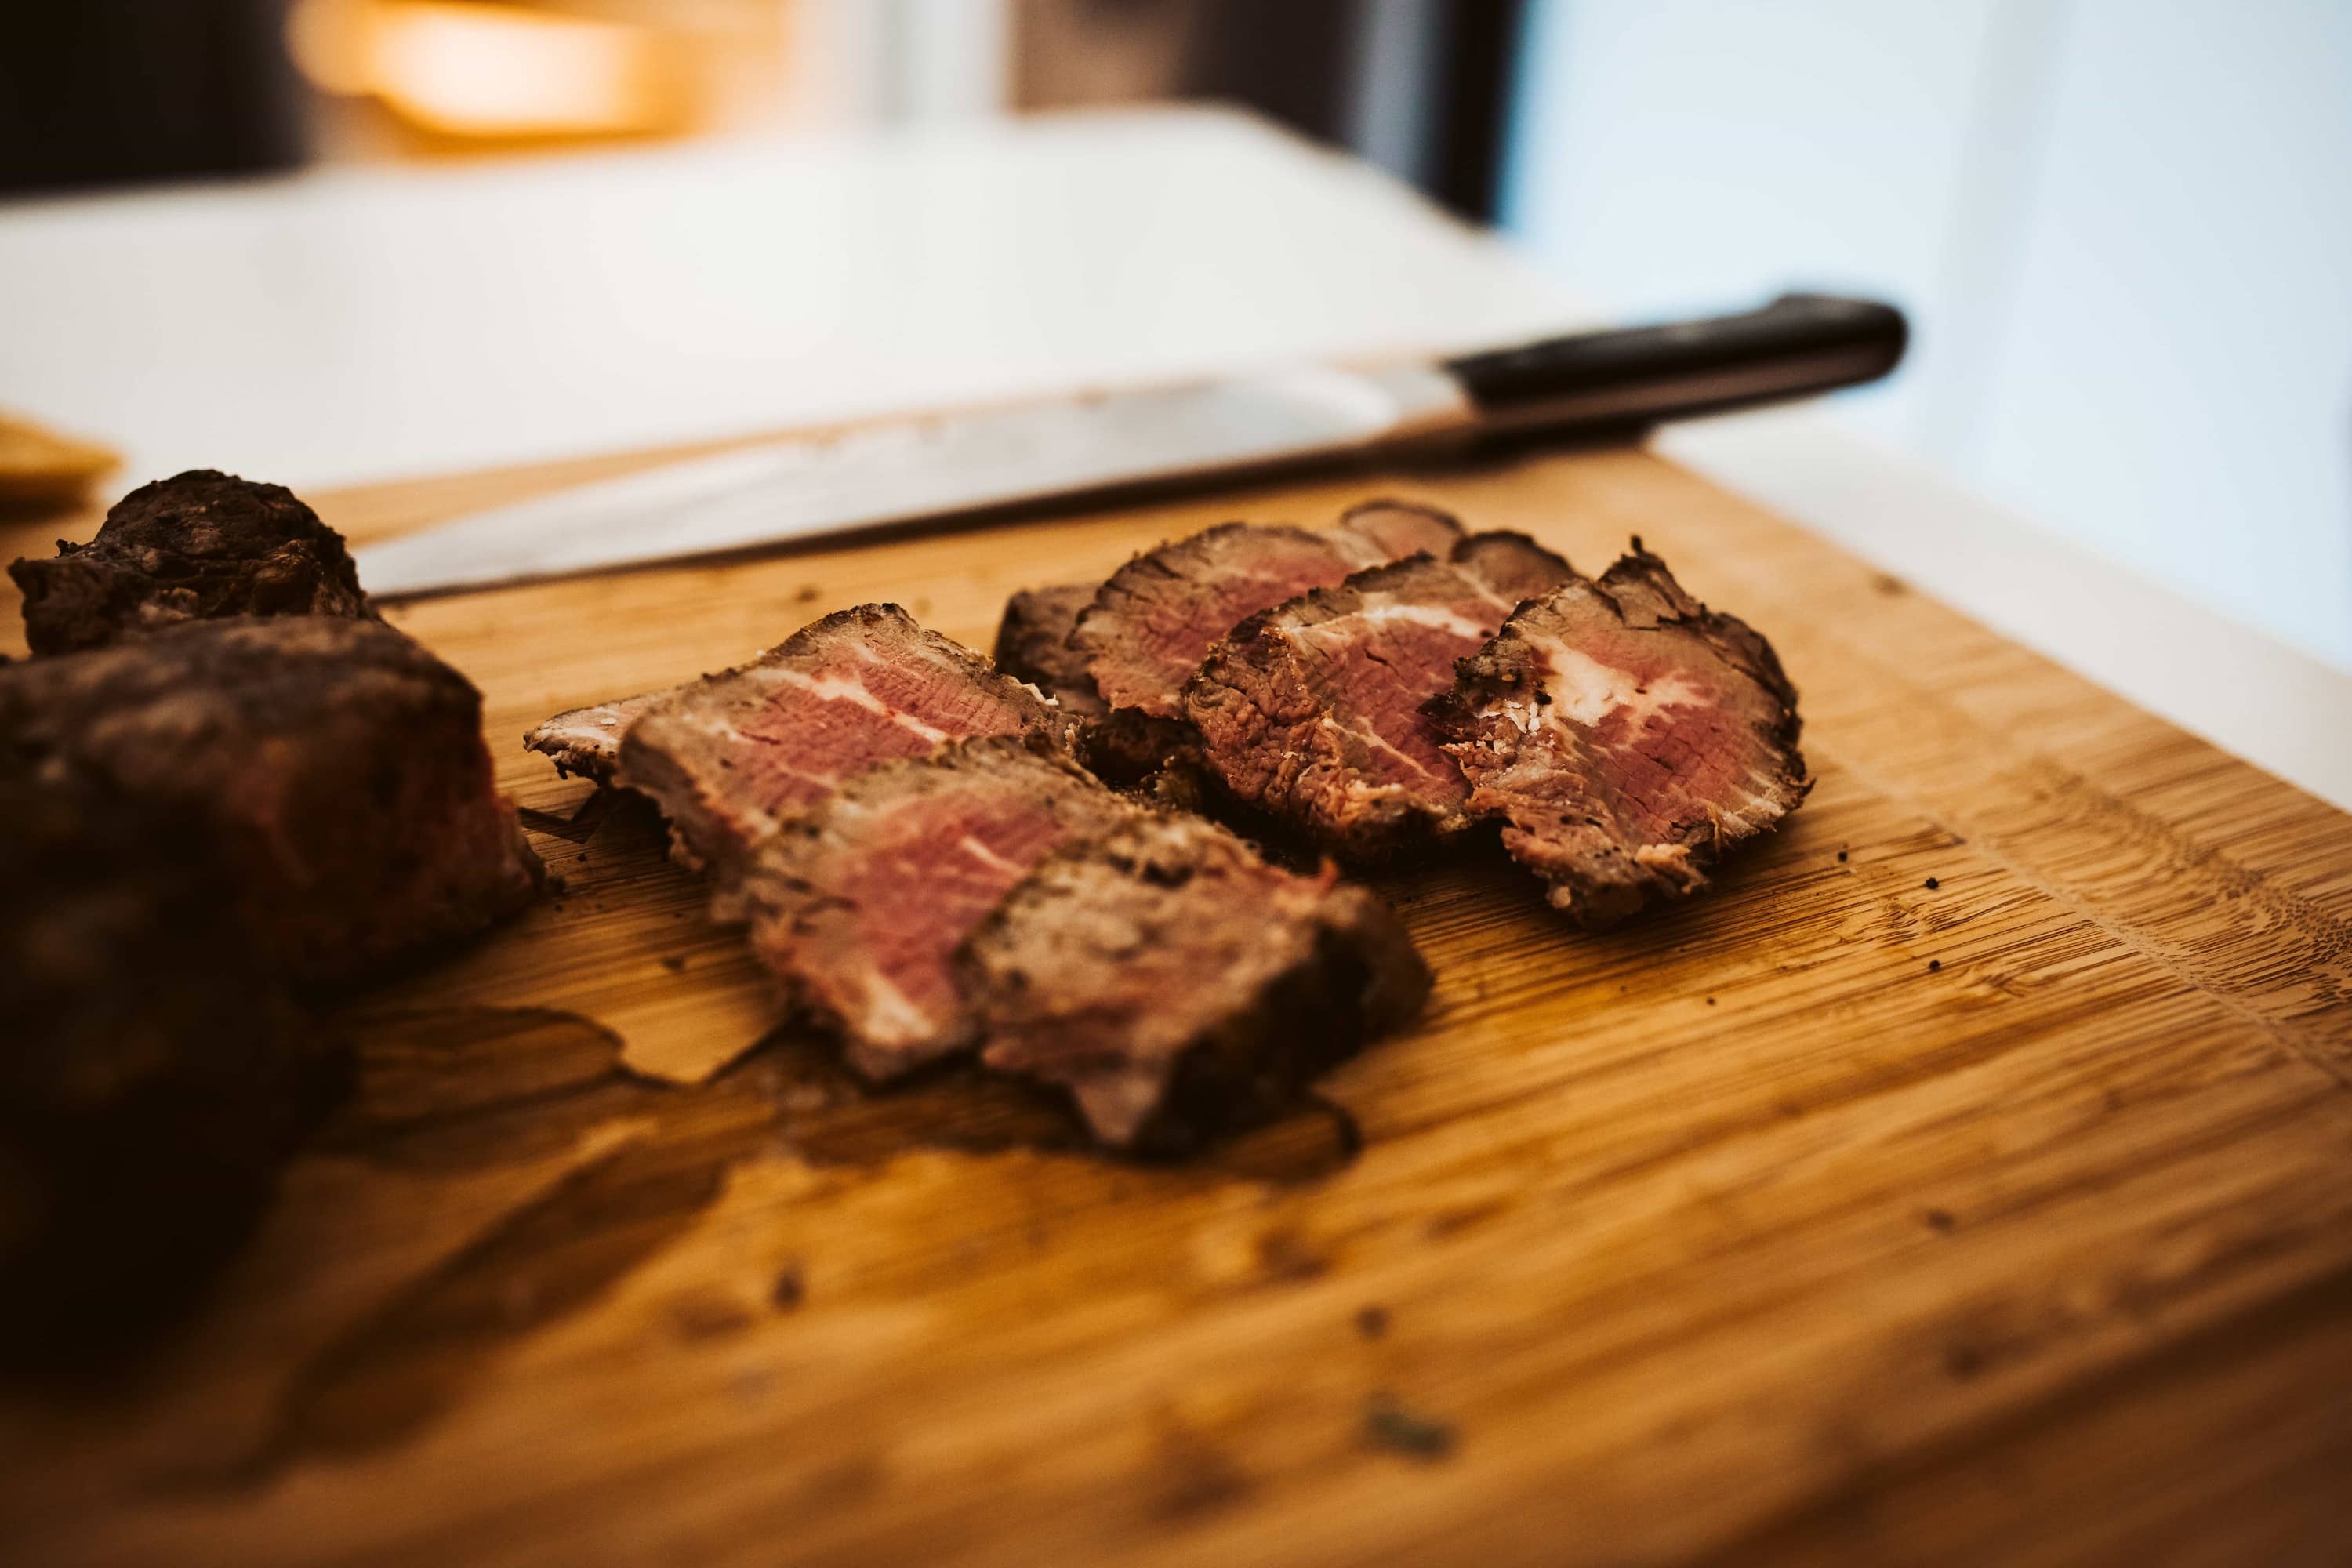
(490,70)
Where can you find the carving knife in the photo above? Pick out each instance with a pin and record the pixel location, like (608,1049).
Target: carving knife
(898,471)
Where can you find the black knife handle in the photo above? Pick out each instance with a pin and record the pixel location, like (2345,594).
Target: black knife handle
(1800,343)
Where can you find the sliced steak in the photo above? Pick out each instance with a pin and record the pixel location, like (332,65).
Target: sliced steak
(587,741)
(1149,627)
(1627,736)
(859,905)
(195,547)
(1177,985)
(1312,711)
(153,1074)
(731,758)
(337,765)
(1032,644)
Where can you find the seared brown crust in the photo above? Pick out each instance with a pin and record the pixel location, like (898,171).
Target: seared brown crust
(194,547)
(858,907)
(1311,711)
(1374,531)
(1177,987)
(1130,748)
(587,741)
(1627,737)
(1032,644)
(339,766)
(731,757)
(154,1075)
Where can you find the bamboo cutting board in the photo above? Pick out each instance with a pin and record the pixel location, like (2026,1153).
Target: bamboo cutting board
(1969,1178)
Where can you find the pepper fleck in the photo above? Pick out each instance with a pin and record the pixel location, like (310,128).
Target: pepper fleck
(1933,884)
(788,1291)
(1388,1425)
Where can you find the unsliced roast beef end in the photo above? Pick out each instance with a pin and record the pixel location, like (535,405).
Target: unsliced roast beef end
(859,905)
(154,1076)
(1627,736)
(1312,711)
(1150,625)
(587,741)
(731,758)
(194,547)
(338,764)
(1177,987)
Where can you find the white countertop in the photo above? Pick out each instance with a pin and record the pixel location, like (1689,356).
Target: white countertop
(386,322)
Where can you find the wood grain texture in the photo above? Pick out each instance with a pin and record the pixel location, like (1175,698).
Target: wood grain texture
(1834,1216)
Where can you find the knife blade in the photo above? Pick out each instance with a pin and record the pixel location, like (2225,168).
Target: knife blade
(897,472)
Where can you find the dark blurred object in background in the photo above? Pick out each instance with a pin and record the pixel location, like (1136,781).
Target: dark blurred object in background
(1420,86)
(98,92)
(104,92)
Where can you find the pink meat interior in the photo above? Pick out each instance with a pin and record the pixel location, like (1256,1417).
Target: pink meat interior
(920,880)
(824,721)
(1668,748)
(1174,631)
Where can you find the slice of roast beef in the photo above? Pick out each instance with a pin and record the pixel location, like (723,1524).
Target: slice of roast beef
(1176,986)
(858,905)
(338,766)
(1312,711)
(194,547)
(1149,627)
(587,741)
(1032,644)
(1627,736)
(731,758)
(154,1074)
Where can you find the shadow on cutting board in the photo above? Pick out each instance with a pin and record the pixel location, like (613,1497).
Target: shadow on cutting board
(449,1092)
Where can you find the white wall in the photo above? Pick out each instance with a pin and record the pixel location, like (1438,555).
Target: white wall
(2122,229)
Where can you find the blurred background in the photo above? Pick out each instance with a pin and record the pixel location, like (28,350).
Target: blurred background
(2123,228)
